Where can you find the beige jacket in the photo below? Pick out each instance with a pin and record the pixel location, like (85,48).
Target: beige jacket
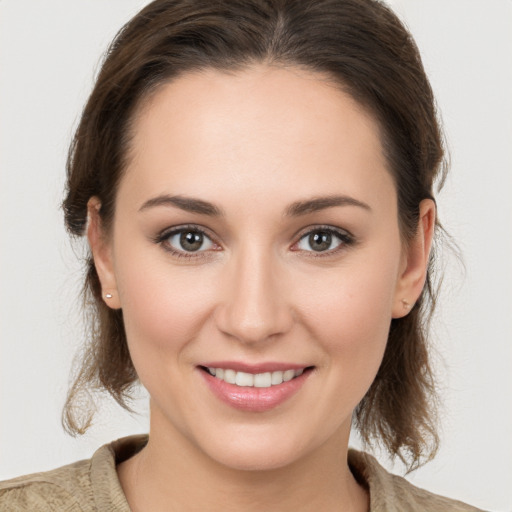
(92,485)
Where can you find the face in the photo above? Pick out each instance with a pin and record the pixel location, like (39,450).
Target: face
(255,238)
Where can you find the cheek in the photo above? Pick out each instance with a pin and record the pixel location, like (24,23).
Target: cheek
(349,312)
(162,308)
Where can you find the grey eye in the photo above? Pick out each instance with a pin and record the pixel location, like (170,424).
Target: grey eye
(189,241)
(320,241)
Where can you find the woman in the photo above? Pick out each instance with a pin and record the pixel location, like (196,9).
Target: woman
(255,183)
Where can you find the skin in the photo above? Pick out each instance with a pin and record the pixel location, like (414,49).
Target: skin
(253,143)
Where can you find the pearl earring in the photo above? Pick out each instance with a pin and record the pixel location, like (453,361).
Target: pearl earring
(108,295)
(406,304)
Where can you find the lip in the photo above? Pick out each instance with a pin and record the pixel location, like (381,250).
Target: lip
(252,399)
(263,367)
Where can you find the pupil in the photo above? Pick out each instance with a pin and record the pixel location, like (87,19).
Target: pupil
(320,241)
(191,241)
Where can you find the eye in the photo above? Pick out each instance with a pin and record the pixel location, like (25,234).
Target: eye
(187,240)
(323,240)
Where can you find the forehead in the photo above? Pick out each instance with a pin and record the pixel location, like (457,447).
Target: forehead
(256,130)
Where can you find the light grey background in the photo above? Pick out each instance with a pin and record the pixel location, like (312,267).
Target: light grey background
(48,53)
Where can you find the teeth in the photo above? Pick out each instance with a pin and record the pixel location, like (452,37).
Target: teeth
(263,380)
(288,375)
(230,376)
(277,378)
(258,380)
(244,379)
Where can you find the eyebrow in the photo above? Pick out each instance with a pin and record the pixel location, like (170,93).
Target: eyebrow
(296,209)
(321,203)
(188,204)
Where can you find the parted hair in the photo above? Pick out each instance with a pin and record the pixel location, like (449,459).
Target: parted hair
(362,47)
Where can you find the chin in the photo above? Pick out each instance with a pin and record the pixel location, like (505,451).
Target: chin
(255,458)
(261,449)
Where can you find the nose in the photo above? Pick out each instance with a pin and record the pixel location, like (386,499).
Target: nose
(254,307)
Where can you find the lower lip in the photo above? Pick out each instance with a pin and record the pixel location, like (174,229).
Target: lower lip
(251,398)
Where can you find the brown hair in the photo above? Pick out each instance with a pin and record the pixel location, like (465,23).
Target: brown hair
(366,50)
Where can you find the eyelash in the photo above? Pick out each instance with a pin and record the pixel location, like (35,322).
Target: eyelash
(164,236)
(346,240)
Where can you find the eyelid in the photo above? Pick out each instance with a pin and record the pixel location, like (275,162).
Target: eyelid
(166,233)
(347,239)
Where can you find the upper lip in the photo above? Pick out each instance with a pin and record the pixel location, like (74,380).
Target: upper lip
(262,367)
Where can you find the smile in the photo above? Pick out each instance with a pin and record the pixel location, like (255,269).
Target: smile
(254,388)
(258,380)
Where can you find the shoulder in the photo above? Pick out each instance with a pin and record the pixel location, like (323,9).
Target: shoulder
(393,493)
(83,486)
(65,488)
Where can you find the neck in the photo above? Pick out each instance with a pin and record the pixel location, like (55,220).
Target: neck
(172,470)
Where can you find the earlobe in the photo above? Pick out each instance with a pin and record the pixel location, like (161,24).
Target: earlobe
(416,259)
(102,254)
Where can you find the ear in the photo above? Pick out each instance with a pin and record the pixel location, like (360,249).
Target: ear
(414,265)
(101,249)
